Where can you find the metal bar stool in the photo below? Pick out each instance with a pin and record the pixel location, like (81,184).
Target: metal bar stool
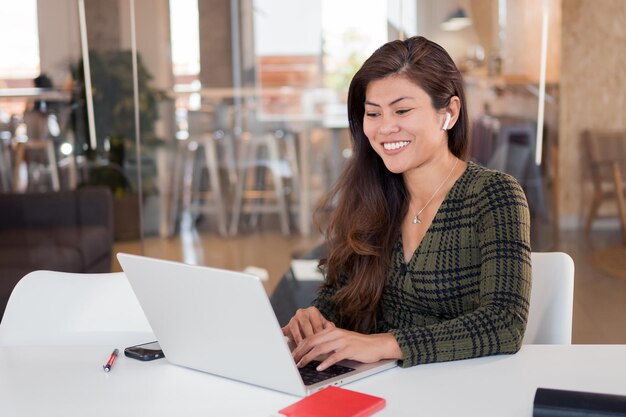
(37,144)
(193,156)
(267,177)
(202,152)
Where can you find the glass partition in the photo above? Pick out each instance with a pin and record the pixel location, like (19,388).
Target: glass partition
(46,221)
(509,56)
(214,84)
(35,98)
(261,127)
(215,127)
(218,126)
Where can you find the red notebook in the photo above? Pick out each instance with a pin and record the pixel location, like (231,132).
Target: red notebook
(335,402)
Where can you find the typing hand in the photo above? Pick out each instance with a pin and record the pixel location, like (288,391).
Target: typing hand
(305,323)
(340,344)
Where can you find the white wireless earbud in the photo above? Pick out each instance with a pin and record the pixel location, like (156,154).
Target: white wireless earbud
(447,122)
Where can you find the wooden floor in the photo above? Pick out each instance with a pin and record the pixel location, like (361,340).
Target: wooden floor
(268,250)
(599,299)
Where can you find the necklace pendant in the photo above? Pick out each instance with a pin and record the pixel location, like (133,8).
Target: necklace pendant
(416,220)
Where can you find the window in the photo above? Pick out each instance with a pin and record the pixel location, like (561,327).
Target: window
(185,40)
(19,48)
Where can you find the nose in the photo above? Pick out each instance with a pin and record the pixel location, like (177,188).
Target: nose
(388,126)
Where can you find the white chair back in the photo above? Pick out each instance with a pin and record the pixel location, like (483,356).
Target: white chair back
(551,299)
(61,308)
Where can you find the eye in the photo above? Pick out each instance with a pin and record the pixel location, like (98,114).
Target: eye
(372,114)
(403,111)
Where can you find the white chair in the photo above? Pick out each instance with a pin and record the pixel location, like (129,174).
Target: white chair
(61,308)
(551,299)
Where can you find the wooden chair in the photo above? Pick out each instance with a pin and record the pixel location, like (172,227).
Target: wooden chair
(606,153)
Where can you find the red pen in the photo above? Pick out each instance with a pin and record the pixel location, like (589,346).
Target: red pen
(109,363)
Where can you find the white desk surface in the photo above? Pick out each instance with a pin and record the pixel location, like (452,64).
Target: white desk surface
(69,381)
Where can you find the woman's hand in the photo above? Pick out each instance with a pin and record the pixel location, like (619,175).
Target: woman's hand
(342,344)
(305,323)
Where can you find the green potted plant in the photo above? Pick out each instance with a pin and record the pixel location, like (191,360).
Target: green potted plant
(113,160)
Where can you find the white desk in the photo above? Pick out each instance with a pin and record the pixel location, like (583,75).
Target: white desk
(58,381)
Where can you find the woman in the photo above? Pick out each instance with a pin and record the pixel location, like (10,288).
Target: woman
(428,255)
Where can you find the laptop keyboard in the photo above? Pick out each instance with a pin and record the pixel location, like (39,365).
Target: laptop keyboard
(311,376)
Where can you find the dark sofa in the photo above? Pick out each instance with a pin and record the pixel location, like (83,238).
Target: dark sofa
(69,231)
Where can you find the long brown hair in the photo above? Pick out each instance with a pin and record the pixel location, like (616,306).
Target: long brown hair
(371,201)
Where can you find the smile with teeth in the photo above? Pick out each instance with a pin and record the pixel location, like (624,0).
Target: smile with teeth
(390,146)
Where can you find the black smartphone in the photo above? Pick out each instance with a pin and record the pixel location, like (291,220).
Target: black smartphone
(145,352)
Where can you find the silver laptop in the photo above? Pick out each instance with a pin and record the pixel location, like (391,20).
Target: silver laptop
(222,322)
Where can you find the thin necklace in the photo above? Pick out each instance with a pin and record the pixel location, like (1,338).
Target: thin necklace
(416,218)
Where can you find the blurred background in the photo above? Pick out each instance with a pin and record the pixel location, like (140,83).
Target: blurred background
(205,131)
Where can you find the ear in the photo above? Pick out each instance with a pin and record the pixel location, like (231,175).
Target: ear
(453,109)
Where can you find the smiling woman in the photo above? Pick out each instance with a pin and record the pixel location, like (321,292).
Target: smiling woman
(448,281)
(404,129)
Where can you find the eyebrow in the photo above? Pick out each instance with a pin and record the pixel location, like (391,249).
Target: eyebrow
(391,103)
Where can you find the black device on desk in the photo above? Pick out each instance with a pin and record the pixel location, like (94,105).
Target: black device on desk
(145,352)
(559,403)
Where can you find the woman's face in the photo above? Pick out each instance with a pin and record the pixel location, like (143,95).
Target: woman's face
(402,125)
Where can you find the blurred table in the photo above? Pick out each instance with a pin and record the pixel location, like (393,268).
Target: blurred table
(36,93)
